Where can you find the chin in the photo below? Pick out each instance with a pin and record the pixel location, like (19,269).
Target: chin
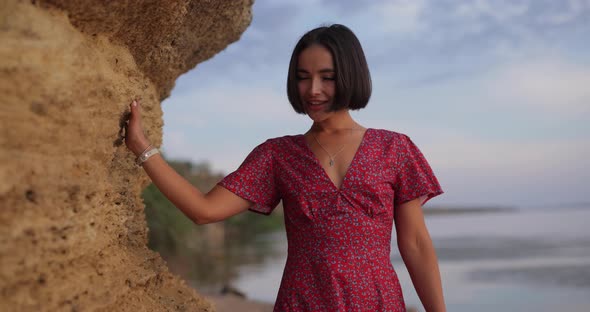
(318,116)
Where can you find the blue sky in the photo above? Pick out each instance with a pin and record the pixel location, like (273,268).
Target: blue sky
(495,93)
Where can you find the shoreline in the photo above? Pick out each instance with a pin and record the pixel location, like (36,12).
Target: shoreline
(232,303)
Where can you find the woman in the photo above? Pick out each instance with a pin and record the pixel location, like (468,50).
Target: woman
(342,186)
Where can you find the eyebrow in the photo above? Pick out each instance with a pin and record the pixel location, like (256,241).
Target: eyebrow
(325,70)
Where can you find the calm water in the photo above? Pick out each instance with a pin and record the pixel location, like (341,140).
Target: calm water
(521,261)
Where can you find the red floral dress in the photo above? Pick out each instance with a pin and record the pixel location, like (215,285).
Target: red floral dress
(338,239)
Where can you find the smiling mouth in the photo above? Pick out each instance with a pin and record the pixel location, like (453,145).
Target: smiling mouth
(316,103)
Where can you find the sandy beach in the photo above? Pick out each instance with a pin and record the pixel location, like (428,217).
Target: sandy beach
(231,303)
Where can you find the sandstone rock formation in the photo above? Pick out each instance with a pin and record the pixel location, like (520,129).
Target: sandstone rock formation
(72,228)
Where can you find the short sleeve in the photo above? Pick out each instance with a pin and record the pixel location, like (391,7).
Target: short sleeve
(255,179)
(413,176)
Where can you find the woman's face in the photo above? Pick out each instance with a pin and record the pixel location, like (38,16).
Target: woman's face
(316,81)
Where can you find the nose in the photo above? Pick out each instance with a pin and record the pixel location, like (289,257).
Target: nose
(316,86)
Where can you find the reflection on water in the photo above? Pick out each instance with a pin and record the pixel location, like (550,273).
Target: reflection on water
(573,275)
(464,248)
(209,268)
(525,261)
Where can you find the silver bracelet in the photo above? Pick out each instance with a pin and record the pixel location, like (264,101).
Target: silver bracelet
(145,150)
(143,157)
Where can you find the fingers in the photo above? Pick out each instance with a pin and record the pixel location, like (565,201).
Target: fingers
(135,115)
(134,106)
(134,136)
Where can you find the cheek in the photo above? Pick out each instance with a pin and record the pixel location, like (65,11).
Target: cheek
(302,87)
(330,89)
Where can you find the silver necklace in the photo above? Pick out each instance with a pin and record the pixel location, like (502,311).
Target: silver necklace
(332,157)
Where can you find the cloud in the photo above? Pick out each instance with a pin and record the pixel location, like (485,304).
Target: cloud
(545,87)
(223,155)
(273,16)
(517,158)
(401,16)
(462,31)
(498,10)
(472,169)
(567,12)
(396,17)
(183,113)
(456,149)
(493,92)
(552,85)
(223,122)
(228,103)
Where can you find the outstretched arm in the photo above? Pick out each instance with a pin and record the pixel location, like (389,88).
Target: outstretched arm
(419,255)
(214,206)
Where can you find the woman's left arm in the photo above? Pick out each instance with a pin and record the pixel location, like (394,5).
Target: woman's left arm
(419,255)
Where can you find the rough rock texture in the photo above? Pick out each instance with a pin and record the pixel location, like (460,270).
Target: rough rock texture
(72,228)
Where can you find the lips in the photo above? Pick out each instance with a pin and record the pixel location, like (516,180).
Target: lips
(316,105)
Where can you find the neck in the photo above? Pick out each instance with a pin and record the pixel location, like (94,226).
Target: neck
(338,121)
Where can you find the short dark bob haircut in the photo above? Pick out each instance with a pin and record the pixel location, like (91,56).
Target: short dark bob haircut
(352,77)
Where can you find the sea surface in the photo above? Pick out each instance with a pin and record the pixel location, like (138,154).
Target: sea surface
(527,260)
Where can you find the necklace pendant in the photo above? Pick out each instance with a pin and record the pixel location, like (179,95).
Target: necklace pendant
(331,162)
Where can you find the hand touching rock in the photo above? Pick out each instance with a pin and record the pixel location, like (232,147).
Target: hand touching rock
(134,136)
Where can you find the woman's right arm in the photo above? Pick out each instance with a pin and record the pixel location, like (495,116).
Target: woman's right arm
(214,206)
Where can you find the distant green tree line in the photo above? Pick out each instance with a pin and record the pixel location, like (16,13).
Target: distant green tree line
(172,233)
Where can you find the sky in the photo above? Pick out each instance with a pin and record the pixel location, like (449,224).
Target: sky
(496,94)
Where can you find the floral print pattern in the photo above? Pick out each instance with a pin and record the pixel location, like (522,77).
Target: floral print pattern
(338,239)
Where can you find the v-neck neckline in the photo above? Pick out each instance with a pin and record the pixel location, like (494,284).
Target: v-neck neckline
(350,166)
